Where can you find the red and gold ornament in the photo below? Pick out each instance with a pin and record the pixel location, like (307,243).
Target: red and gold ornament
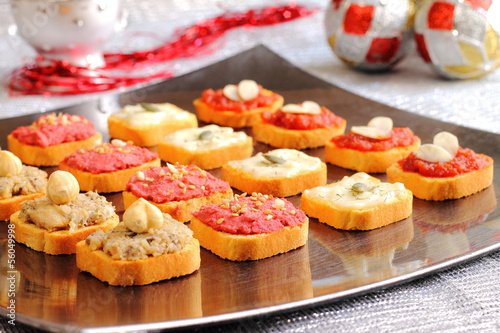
(370,35)
(459,38)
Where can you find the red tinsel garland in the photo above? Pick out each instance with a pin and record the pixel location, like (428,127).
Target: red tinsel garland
(54,77)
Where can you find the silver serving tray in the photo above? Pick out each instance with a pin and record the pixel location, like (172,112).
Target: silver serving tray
(51,293)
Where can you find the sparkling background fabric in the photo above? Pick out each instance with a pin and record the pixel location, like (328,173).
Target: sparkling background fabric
(462,299)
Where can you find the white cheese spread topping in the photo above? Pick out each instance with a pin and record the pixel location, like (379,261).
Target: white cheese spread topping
(293,162)
(137,115)
(205,138)
(358,191)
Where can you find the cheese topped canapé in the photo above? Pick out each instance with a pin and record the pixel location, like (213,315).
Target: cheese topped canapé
(147,114)
(205,138)
(278,163)
(358,191)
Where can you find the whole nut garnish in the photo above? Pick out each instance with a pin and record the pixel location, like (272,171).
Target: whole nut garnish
(248,89)
(448,141)
(10,164)
(377,128)
(62,187)
(142,216)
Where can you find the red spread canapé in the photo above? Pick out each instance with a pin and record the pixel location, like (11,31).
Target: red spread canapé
(216,100)
(108,157)
(174,183)
(399,137)
(52,129)
(465,161)
(246,215)
(302,121)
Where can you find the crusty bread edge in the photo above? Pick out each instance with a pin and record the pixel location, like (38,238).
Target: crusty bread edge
(51,155)
(55,242)
(106,182)
(138,272)
(438,189)
(366,161)
(206,159)
(235,119)
(148,136)
(11,205)
(357,219)
(279,187)
(249,247)
(295,139)
(181,210)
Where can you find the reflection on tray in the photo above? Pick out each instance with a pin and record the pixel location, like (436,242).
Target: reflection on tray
(444,225)
(54,289)
(270,281)
(48,283)
(107,305)
(366,256)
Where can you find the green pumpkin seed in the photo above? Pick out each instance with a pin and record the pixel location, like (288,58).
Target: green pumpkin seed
(359,187)
(274,159)
(150,107)
(205,135)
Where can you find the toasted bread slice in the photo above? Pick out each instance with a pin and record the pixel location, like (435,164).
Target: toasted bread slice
(55,242)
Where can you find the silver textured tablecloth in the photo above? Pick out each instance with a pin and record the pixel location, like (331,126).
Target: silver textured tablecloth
(461,299)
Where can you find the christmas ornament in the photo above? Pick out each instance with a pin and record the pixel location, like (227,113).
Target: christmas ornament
(48,76)
(69,30)
(370,35)
(459,38)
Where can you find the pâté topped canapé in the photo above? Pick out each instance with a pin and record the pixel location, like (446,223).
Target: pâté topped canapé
(255,214)
(109,157)
(174,183)
(51,138)
(52,129)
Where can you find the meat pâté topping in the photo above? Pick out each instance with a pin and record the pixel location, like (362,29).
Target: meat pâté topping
(254,214)
(18,179)
(110,157)
(174,183)
(145,232)
(52,129)
(64,207)
(85,210)
(31,180)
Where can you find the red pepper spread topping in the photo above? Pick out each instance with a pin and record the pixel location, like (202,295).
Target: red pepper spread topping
(174,183)
(399,137)
(302,121)
(255,214)
(465,161)
(108,157)
(216,100)
(52,129)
